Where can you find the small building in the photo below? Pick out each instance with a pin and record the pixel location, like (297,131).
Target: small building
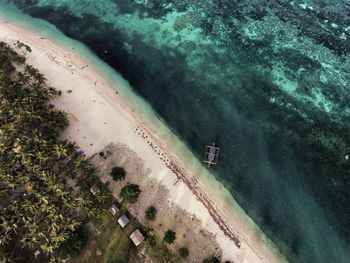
(123,221)
(24,195)
(137,237)
(36,253)
(94,189)
(114,210)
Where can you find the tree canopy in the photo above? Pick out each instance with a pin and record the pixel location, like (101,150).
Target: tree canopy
(150,213)
(169,236)
(118,173)
(38,210)
(130,193)
(183,252)
(211,259)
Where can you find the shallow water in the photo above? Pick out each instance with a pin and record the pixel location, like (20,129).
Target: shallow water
(268,83)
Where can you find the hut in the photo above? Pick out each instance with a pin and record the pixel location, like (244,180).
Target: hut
(94,189)
(114,210)
(137,237)
(24,195)
(123,221)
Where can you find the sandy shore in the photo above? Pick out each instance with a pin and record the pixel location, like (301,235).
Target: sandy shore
(102,113)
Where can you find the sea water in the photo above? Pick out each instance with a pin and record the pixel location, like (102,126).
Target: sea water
(266,81)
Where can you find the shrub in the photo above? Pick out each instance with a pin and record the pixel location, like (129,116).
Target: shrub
(130,193)
(152,240)
(157,250)
(211,259)
(74,244)
(151,212)
(183,252)
(118,173)
(169,236)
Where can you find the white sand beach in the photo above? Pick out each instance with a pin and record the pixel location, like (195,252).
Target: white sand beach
(101,112)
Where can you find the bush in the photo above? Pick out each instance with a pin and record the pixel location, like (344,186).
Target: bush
(130,193)
(157,250)
(183,252)
(211,259)
(169,236)
(152,240)
(118,173)
(151,212)
(74,244)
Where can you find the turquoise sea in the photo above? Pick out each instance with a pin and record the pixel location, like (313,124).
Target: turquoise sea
(268,81)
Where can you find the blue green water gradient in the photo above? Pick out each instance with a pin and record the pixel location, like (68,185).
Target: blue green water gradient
(268,83)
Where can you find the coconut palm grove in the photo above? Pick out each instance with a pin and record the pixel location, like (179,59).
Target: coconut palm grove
(50,193)
(39,210)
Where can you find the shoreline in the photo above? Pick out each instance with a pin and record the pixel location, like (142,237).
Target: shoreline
(165,155)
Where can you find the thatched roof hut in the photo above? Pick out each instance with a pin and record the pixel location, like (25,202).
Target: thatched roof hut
(114,210)
(94,189)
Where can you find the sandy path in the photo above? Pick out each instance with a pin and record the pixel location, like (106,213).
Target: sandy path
(100,115)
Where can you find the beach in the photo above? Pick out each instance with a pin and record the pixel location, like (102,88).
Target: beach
(101,112)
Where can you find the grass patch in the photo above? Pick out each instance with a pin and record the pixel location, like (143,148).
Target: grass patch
(158,251)
(115,243)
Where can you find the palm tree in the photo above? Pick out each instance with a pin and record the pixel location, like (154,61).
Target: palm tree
(23,78)
(52,211)
(35,73)
(60,151)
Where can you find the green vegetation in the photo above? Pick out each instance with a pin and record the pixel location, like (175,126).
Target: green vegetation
(211,259)
(118,173)
(115,242)
(74,244)
(7,57)
(158,250)
(150,213)
(38,210)
(169,236)
(183,252)
(130,193)
(20,45)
